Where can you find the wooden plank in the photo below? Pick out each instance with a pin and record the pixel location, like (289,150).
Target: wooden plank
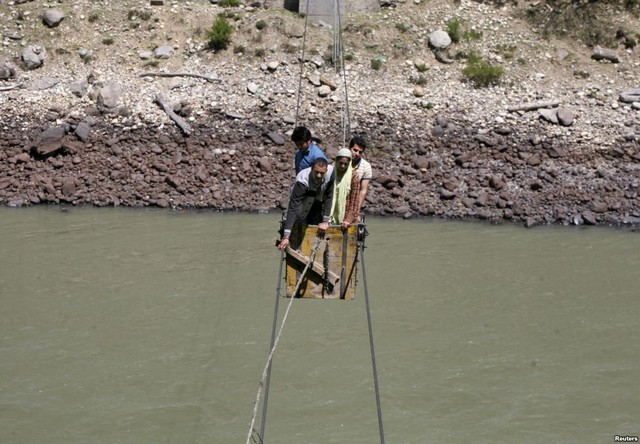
(315,267)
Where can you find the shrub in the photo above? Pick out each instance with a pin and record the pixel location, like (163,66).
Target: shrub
(472,34)
(93,17)
(422,80)
(481,72)
(348,57)
(422,67)
(229,3)
(134,14)
(261,24)
(402,27)
(454,29)
(220,34)
(376,64)
(259,52)
(107,41)
(507,51)
(238,49)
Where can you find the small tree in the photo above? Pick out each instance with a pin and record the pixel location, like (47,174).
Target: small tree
(220,34)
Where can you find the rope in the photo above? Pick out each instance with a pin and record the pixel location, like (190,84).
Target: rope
(275,344)
(373,354)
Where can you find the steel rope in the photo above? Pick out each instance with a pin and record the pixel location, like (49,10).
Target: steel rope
(275,344)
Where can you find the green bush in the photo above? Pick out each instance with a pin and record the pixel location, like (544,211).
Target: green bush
(261,24)
(482,73)
(238,49)
(402,27)
(134,14)
(422,67)
(220,34)
(422,80)
(472,34)
(107,41)
(454,29)
(259,52)
(376,64)
(229,3)
(93,17)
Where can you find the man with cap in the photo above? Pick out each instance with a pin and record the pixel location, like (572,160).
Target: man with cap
(346,191)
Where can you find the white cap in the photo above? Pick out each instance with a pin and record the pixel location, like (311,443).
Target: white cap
(344,152)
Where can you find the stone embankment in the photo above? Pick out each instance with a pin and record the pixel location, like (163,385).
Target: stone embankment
(545,147)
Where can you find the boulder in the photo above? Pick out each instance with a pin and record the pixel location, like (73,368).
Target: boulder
(163,52)
(52,17)
(439,39)
(33,56)
(108,96)
(50,140)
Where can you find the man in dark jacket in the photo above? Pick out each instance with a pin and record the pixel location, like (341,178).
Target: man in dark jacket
(310,199)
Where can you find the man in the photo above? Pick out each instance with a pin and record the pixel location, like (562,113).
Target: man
(310,199)
(346,191)
(307,150)
(362,168)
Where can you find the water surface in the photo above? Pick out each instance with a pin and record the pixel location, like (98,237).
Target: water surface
(151,326)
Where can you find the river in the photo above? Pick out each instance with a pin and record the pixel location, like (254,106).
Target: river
(153,326)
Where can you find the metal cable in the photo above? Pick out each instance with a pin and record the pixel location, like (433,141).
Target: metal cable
(265,403)
(304,43)
(373,354)
(275,344)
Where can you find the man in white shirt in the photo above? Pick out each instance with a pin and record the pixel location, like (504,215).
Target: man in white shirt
(363,169)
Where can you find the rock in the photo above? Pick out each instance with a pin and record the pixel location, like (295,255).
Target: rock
(68,187)
(52,17)
(44,83)
(550,115)
(565,116)
(7,70)
(324,91)
(252,88)
(78,88)
(439,39)
(276,138)
(33,56)
(273,65)
(163,52)
(600,53)
(418,91)
(108,96)
(330,83)
(589,218)
(264,164)
(49,141)
(630,95)
(421,162)
(82,131)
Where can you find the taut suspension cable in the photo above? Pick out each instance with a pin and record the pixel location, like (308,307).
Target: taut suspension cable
(277,339)
(373,354)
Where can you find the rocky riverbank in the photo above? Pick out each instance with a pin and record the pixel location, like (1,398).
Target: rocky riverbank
(555,143)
